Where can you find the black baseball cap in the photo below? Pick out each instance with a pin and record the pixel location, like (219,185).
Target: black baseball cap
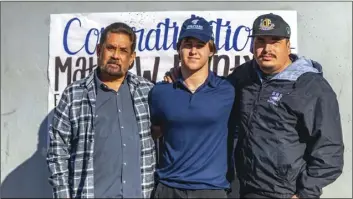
(270,25)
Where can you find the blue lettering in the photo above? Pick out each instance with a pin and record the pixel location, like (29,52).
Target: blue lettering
(96,33)
(165,38)
(236,35)
(153,39)
(157,38)
(218,31)
(139,45)
(66,32)
(228,33)
(158,45)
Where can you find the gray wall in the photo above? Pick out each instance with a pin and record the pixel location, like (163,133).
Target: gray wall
(325,35)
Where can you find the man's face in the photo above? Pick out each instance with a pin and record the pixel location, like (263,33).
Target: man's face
(194,53)
(271,53)
(115,55)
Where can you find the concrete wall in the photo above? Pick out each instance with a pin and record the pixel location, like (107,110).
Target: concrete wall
(325,35)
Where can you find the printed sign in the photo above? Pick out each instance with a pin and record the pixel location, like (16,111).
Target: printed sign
(73,40)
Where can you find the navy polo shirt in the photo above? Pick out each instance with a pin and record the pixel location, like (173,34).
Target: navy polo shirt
(195,129)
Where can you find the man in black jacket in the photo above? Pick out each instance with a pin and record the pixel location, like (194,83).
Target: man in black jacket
(290,137)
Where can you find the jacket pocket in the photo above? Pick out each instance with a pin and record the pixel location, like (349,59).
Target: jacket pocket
(287,171)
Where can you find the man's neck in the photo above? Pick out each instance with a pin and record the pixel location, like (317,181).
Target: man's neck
(194,79)
(112,82)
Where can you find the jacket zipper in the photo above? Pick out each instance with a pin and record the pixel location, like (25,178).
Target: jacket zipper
(254,109)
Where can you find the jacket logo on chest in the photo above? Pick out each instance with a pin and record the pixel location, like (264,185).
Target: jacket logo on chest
(275,98)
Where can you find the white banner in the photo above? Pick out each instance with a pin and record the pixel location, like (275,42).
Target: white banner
(73,38)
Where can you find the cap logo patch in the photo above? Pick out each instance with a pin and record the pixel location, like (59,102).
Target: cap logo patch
(194,25)
(194,21)
(288,30)
(266,24)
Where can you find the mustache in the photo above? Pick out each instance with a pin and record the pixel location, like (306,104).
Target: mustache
(267,55)
(113,62)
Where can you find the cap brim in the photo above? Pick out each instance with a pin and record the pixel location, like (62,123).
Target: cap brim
(198,35)
(269,34)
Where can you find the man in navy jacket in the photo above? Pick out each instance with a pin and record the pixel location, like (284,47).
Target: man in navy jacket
(290,137)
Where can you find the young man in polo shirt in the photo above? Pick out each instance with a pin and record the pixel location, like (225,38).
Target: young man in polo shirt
(193,114)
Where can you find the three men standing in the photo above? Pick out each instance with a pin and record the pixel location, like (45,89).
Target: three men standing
(287,117)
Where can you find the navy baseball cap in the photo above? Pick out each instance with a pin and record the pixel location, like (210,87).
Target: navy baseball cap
(270,25)
(198,28)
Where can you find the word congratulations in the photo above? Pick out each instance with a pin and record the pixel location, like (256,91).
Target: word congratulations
(157,38)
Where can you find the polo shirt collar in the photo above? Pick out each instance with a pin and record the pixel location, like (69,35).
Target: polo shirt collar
(210,81)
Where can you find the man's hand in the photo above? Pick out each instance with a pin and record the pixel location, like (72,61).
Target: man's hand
(172,75)
(295,197)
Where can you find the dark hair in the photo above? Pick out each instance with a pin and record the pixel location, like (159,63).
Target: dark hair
(119,27)
(212,46)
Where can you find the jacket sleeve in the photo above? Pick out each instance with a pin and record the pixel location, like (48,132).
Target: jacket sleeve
(324,152)
(59,147)
(232,131)
(232,140)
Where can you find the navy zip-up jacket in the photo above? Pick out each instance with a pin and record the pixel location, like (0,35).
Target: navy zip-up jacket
(290,136)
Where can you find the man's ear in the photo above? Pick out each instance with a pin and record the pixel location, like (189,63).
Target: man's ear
(98,49)
(212,49)
(132,59)
(288,47)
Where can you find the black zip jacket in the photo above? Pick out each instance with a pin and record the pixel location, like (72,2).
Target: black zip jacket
(290,136)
